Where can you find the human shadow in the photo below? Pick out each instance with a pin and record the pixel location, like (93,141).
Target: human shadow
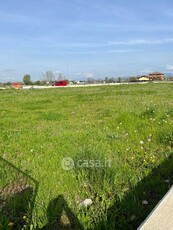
(18,192)
(17,196)
(130,212)
(60,216)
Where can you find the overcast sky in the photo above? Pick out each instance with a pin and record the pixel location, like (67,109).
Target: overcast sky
(85,38)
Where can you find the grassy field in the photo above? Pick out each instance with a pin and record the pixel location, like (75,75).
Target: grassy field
(119,137)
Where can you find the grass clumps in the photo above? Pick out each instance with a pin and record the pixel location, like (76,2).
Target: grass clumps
(118,137)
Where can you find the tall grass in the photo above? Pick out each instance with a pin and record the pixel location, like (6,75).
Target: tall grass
(129,125)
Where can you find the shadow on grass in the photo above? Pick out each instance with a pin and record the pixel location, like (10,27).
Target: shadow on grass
(129,212)
(18,192)
(17,200)
(60,216)
(17,197)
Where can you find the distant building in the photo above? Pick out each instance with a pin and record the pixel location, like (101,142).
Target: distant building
(156,76)
(81,83)
(17,85)
(144,78)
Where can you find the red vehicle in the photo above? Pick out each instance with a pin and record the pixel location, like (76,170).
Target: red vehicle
(17,85)
(60,83)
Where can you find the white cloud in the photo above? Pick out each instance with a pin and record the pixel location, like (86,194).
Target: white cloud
(142,42)
(146,71)
(19,18)
(84,45)
(86,75)
(8,70)
(6,78)
(78,74)
(169,67)
(57,71)
(53,43)
(122,51)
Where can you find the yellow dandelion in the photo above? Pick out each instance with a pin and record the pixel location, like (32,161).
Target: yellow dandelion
(11,224)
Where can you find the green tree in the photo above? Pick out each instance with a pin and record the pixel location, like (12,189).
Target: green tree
(119,80)
(27,79)
(133,79)
(106,79)
(109,80)
(37,83)
(170,79)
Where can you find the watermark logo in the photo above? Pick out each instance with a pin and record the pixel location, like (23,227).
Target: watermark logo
(67,163)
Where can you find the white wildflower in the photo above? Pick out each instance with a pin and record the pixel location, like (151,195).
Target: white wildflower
(145,202)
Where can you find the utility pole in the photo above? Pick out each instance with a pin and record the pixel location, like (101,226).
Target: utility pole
(67,72)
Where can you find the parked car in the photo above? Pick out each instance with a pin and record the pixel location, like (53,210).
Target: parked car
(60,83)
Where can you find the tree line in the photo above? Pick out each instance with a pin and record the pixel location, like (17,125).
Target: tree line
(46,78)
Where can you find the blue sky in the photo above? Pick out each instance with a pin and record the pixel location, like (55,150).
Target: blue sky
(85,38)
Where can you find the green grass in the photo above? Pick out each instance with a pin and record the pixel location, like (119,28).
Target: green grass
(129,125)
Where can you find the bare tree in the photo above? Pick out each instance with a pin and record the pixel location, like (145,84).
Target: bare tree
(47,76)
